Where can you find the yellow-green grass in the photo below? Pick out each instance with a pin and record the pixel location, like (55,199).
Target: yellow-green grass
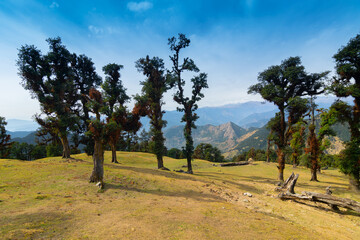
(52,199)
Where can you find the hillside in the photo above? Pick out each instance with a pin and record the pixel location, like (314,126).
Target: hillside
(224,136)
(232,139)
(52,199)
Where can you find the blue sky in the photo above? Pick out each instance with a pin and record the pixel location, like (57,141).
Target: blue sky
(232,41)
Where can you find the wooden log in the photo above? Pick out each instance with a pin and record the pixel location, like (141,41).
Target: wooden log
(234,164)
(323,198)
(289,184)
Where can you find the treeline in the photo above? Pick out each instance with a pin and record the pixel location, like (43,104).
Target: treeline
(75,101)
(294,91)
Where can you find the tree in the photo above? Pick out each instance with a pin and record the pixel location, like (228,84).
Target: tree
(208,152)
(97,131)
(188,105)
(85,78)
(279,84)
(153,90)
(297,142)
(50,79)
(175,153)
(115,97)
(347,84)
(5,144)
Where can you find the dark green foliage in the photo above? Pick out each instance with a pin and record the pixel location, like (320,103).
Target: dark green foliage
(50,79)
(114,92)
(53,150)
(153,90)
(206,151)
(5,144)
(188,105)
(85,78)
(115,97)
(25,151)
(175,153)
(345,84)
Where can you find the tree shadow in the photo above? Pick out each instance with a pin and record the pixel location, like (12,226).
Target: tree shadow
(236,184)
(346,212)
(197,196)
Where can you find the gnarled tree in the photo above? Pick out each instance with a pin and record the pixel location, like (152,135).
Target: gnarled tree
(115,97)
(50,79)
(279,84)
(347,84)
(85,78)
(97,130)
(188,105)
(153,90)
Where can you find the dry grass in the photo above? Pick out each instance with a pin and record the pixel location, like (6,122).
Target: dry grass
(51,198)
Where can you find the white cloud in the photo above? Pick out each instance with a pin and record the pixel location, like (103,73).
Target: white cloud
(54,5)
(140,6)
(95,30)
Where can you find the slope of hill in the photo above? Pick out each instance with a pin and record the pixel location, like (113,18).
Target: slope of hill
(18,134)
(224,136)
(29,138)
(52,199)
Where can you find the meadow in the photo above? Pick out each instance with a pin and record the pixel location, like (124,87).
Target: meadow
(52,198)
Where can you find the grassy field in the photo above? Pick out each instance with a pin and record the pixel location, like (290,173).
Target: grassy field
(52,199)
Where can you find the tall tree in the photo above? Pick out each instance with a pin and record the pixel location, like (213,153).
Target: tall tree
(279,84)
(85,78)
(154,87)
(115,97)
(97,130)
(347,84)
(5,144)
(188,105)
(50,79)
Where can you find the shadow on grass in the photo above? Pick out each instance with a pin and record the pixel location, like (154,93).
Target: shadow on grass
(245,187)
(319,207)
(39,225)
(198,196)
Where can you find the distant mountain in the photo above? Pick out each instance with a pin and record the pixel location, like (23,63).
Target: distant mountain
(18,134)
(236,113)
(16,125)
(224,136)
(232,139)
(30,138)
(246,115)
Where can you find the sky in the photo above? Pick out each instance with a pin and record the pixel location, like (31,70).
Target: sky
(231,41)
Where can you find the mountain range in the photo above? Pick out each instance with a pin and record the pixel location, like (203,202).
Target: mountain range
(232,128)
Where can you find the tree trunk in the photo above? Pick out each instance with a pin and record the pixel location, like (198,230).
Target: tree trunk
(281,161)
(314,174)
(113,153)
(354,183)
(66,147)
(160,162)
(98,159)
(189,146)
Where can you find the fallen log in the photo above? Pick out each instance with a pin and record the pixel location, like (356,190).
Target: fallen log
(234,164)
(323,198)
(332,201)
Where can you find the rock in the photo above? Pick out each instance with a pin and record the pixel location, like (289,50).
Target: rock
(248,194)
(250,160)
(245,200)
